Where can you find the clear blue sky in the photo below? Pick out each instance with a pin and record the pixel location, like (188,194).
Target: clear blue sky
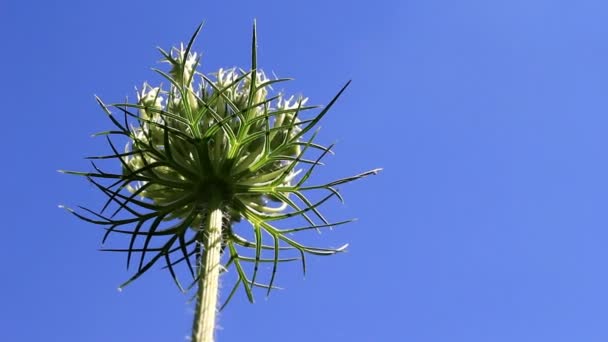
(490,118)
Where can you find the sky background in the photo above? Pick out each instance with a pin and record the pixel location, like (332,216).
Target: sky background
(490,119)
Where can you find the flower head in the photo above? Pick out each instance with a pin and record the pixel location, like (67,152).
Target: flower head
(202,138)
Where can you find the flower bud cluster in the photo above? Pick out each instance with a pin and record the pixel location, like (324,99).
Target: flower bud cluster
(237,99)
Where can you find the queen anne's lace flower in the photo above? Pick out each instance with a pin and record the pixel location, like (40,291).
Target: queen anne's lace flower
(222,140)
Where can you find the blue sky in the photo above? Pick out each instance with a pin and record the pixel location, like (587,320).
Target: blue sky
(489,118)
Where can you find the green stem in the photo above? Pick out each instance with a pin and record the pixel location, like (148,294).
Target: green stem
(207,293)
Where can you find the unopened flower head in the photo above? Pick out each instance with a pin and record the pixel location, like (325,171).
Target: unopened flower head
(206,137)
(183,64)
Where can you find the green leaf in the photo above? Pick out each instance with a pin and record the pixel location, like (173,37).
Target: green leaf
(318,118)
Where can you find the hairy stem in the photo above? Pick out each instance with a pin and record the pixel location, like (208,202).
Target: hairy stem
(209,268)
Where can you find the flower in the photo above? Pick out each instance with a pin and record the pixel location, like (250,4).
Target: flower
(183,64)
(203,139)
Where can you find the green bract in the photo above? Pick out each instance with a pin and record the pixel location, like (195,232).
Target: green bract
(203,138)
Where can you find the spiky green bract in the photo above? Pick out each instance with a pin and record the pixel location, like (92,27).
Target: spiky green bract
(226,138)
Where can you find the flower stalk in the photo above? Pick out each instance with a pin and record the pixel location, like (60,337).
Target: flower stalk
(209,270)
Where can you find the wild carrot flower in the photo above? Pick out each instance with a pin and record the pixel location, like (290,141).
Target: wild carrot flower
(203,153)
